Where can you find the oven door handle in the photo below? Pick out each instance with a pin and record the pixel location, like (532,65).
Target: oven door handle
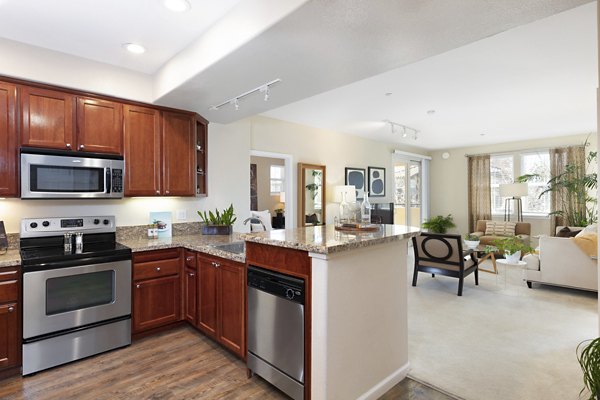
(108,180)
(73,263)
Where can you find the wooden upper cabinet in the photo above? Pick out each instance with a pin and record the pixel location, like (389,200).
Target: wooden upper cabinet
(99,126)
(142,151)
(48,118)
(179,151)
(8,140)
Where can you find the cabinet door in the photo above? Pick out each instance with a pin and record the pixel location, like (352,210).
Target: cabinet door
(156,303)
(231,307)
(142,151)
(99,126)
(207,297)
(190,286)
(9,336)
(8,140)
(48,118)
(178,154)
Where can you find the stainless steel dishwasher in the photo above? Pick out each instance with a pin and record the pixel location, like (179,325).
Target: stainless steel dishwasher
(276,329)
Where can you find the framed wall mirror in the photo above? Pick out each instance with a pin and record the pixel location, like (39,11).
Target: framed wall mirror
(311,194)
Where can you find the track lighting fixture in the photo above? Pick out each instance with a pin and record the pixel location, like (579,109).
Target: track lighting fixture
(406,130)
(235,101)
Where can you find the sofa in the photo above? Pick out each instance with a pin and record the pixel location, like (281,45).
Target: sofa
(560,262)
(522,230)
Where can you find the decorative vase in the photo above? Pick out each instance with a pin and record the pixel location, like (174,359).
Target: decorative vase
(472,244)
(217,229)
(513,258)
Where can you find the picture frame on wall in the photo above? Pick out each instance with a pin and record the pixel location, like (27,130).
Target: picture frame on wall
(356,177)
(376,182)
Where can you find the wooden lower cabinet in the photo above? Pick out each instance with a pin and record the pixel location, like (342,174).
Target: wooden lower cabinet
(221,302)
(156,301)
(10,321)
(190,295)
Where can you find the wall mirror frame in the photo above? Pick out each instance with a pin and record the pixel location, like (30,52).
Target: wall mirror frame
(311,194)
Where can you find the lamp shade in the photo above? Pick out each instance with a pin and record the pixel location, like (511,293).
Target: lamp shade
(513,190)
(350,191)
(282,197)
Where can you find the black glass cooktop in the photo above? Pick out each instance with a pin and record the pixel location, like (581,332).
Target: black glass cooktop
(53,254)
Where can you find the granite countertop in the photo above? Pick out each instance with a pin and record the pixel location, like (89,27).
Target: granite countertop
(196,242)
(326,240)
(10,259)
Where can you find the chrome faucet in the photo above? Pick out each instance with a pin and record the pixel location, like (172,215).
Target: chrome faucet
(254,220)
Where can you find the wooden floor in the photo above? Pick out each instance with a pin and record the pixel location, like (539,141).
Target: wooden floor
(178,364)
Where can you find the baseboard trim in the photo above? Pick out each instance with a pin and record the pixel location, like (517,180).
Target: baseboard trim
(386,384)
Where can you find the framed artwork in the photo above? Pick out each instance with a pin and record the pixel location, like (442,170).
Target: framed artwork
(376,182)
(356,177)
(253,188)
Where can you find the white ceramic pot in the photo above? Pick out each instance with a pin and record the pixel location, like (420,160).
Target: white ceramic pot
(513,258)
(471,244)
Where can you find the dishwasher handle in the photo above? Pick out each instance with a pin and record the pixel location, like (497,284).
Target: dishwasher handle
(280,285)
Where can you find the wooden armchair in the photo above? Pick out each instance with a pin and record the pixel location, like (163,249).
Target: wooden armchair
(443,254)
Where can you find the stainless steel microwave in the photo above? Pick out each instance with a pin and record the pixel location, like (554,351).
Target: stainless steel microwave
(57,174)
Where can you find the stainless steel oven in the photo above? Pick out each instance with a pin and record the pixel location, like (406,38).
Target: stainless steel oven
(76,299)
(52,174)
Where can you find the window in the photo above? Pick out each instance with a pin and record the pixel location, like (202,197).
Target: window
(538,164)
(508,167)
(501,171)
(277,179)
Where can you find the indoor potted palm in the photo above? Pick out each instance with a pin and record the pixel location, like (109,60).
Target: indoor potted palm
(512,247)
(439,223)
(218,223)
(588,355)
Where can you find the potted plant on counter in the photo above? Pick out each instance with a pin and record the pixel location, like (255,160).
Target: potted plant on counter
(218,223)
(439,223)
(588,355)
(512,247)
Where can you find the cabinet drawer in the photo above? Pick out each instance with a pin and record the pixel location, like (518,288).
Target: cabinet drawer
(155,269)
(9,291)
(190,259)
(155,255)
(8,274)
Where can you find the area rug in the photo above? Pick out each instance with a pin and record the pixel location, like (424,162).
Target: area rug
(500,340)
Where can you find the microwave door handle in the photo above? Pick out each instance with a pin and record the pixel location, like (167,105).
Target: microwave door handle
(108,180)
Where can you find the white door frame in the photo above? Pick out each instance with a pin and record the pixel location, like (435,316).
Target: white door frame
(290,183)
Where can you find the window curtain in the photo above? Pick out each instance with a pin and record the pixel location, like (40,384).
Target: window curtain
(559,200)
(480,196)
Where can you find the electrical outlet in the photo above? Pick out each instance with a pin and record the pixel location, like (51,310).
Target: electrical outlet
(181,215)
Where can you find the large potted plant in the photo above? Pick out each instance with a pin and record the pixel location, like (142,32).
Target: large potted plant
(573,189)
(218,223)
(439,223)
(588,355)
(512,247)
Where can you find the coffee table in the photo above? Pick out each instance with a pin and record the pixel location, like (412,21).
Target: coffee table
(491,255)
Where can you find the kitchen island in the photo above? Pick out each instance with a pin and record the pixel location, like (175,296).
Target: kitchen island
(356,304)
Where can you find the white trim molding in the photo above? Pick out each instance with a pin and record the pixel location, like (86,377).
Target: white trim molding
(386,384)
(407,154)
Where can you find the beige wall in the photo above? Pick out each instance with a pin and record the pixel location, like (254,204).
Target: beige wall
(449,178)
(263,183)
(334,150)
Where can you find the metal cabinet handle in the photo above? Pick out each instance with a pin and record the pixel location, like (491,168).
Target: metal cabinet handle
(157,269)
(213,263)
(158,192)
(137,286)
(68,145)
(217,265)
(192,274)
(167,192)
(189,258)
(11,309)
(81,147)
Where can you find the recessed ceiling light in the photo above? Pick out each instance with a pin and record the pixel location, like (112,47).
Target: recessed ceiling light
(430,112)
(388,93)
(482,134)
(134,48)
(177,5)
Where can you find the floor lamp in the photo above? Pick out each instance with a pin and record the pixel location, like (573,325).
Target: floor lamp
(513,191)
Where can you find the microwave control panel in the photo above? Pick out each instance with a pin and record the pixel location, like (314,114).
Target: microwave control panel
(117,181)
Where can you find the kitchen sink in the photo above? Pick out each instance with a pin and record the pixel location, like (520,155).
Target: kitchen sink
(234,247)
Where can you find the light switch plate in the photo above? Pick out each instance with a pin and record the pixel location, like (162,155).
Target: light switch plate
(181,215)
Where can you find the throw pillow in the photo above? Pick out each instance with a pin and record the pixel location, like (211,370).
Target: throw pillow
(566,232)
(496,228)
(490,228)
(588,243)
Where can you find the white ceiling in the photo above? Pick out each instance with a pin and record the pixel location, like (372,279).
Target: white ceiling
(96,29)
(534,81)
(477,63)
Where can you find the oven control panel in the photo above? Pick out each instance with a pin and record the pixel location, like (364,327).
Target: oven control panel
(39,227)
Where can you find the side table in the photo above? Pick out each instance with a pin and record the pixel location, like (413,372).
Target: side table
(481,249)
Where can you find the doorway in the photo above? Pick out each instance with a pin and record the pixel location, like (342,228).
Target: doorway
(271,187)
(408,192)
